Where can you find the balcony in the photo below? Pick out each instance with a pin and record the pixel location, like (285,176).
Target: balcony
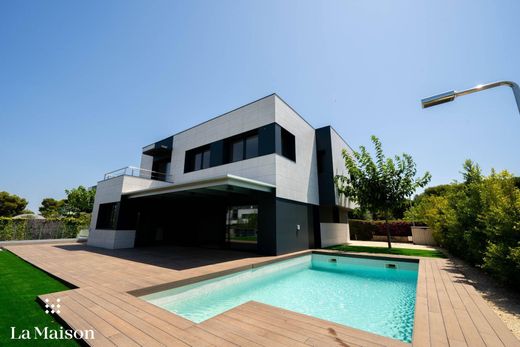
(139,172)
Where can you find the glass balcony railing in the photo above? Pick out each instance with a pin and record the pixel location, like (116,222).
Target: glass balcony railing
(139,172)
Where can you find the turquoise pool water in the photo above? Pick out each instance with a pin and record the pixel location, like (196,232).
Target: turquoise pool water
(358,292)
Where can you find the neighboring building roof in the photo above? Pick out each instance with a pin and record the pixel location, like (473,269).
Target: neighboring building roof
(28,216)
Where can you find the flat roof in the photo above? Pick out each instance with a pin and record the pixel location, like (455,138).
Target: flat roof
(233,110)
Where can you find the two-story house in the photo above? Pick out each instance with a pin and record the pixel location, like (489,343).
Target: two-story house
(257,178)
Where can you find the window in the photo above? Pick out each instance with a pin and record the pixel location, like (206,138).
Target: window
(252,146)
(288,145)
(197,159)
(205,158)
(107,216)
(268,139)
(321,161)
(237,151)
(243,146)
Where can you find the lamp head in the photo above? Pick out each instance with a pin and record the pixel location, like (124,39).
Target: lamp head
(438,99)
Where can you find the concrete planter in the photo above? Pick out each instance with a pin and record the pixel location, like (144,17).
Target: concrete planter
(423,236)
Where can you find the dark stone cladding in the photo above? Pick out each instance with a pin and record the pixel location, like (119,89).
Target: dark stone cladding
(290,214)
(325,166)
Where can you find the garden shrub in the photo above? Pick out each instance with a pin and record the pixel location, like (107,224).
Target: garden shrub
(478,220)
(397,228)
(361,230)
(364,229)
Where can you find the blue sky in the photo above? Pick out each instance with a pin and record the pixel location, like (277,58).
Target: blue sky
(84,85)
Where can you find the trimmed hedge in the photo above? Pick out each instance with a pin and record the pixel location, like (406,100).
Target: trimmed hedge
(36,229)
(365,229)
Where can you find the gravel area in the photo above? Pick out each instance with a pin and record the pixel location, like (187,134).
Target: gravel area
(505,302)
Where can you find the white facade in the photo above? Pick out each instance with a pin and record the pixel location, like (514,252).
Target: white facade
(298,180)
(333,234)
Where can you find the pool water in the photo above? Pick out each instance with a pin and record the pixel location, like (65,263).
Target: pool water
(358,292)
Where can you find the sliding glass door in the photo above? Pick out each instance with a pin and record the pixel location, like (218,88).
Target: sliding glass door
(242,227)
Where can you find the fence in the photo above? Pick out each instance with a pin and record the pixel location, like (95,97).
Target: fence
(39,229)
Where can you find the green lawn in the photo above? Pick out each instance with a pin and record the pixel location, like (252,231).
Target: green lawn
(20,284)
(384,250)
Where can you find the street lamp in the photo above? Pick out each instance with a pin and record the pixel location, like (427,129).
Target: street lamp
(451,95)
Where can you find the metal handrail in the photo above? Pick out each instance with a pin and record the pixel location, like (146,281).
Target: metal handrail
(139,172)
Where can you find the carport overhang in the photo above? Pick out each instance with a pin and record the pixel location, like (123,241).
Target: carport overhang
(217,185)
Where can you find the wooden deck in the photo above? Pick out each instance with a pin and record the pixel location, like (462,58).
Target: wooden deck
(449,311)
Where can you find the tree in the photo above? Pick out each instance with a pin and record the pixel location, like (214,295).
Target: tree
(79,200)
(51,207)
(380,186)
(11,205)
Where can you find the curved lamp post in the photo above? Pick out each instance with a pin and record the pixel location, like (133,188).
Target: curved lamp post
(451,95)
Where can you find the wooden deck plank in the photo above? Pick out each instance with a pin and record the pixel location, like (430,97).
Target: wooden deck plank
(98,324)
(421,328)
(195,338)
(120,321)
(228,333)
(270,336)
(144,322)
(493,320)
(76,322)
(295,328)
(326,328)
(244,332)
(451,324)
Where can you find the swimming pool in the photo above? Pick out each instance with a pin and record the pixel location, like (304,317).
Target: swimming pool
(365,293)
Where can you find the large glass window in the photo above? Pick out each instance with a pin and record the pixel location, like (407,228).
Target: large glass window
(252,146)
(288,145)
(237,150)
(205,158)
(269,139)
(198,159)
(107,216)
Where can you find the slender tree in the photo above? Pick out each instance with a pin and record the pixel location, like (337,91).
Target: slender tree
(379,185)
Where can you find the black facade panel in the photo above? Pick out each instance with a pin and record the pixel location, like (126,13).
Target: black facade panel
(266,139)
(333,214)
(317,229)
(325,167)
(217,153)
(160,147)
(267,225)
(290,215)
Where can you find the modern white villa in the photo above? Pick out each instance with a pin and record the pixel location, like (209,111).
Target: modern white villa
(258,178)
